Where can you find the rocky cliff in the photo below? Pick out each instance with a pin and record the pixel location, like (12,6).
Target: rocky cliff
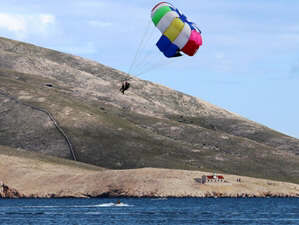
(7,192)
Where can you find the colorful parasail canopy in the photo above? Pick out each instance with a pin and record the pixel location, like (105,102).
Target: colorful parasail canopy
(179,34)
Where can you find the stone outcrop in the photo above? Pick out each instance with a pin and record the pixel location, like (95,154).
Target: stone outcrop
(7,192)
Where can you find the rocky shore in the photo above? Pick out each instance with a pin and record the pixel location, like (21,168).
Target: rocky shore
(7,192)
(31,175)
(45,178)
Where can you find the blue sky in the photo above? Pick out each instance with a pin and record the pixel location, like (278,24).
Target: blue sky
(248,64)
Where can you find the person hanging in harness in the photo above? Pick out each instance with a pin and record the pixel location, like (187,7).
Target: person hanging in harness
(124,86)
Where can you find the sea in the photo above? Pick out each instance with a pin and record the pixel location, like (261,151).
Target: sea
(133,211)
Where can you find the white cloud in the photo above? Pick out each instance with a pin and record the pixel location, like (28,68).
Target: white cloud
(22,25)
(14,23)
(47,19)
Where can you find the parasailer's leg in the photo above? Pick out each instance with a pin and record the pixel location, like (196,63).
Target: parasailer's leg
(122,89)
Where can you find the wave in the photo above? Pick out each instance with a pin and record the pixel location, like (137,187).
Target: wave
(111,204)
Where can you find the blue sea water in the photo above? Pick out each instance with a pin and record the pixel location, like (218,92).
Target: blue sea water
(133,211)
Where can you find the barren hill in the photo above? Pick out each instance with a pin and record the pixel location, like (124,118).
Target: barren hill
(150,126)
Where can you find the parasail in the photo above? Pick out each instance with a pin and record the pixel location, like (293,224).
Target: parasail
(178,33)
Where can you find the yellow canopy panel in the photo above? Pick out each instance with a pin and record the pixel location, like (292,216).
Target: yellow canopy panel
(174,29)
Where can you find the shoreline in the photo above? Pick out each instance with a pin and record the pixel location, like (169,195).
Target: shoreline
(143,183)
(36,178)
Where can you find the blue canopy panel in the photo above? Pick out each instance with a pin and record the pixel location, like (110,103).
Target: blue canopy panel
(185,20)
(167,47)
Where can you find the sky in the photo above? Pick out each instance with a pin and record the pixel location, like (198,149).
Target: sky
(248,64)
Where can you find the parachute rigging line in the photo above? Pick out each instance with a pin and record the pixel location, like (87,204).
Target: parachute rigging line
(179,35)
(139,47)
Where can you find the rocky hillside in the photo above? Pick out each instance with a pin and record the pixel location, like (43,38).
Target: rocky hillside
(48,97)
